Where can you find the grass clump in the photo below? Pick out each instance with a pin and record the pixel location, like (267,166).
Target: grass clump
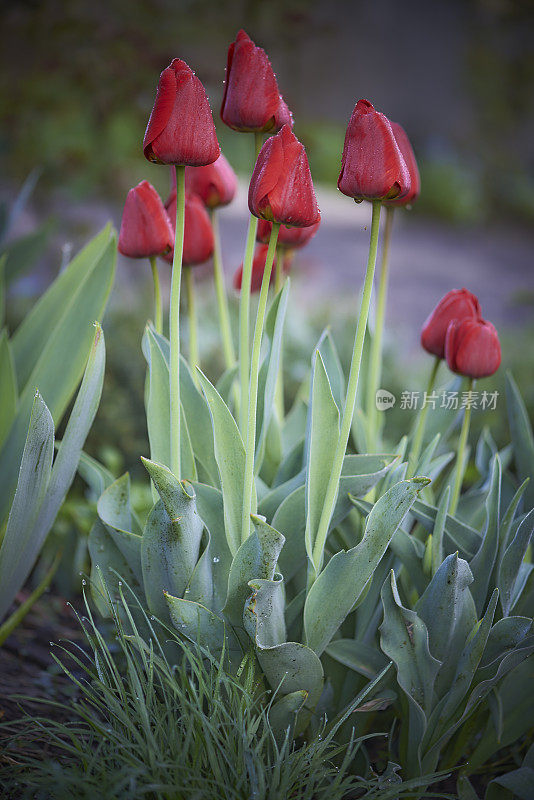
(145,727)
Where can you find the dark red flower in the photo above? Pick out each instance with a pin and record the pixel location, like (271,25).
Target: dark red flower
(216,183)
(145,227)
(198,233)
(258,268)
(252,102)
(408,154)
(281,187)
(458,304)
(180,129)
(372,166)
(472,348)
(289,238)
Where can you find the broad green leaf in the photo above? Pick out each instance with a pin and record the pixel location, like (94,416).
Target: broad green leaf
(522,437)
(359,656)
(8,387)
(438,530)
(52,345)
(441,605)
(170,545)
(463,537)
(506,634)
(225,383)
(256,559)
(508,518)
(108,568)
(263,614)
(404,639)
(199,624)
(339,585)
(19,550)
(115,512)
(96,476)
(468,662)
(511,561)
(483,562)
(210,507)
(230,456)
(411,553)
(289,667)
(274,326)
(283,715)
(323,438)
(332,363)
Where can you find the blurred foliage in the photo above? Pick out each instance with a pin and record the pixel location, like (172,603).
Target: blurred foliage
(77,84)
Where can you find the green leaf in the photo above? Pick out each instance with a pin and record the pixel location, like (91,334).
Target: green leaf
(438,530)
(274,326)
(522,437)
(108,567)
(483,561)
(359,656)
(51,346)
(256,559)
(230,457)
(8,387)
(200,625)
(115,512)
(96,476)
(210,507)
(462,536)
(512,560)
(339,585)
(283,715)
(332,363)
(323,438)
(506,634)
(170,545)
(441,605)
(404,639)
(19,549)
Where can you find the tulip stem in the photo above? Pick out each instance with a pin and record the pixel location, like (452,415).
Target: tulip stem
(158,307)
(460,454)
(415,449)
(244,307)
(174,322)
(193,325)
(253,385)
(375,363)
(279,391)
(350,401)
(220,291)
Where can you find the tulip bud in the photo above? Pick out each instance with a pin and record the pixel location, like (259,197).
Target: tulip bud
(180,129)
(458,304)
(290,238)
(215,184)
(258,268)
(472,348)
(281,187)
(252,102)
(145,227)
(198,233)
(408,154)
(372,166)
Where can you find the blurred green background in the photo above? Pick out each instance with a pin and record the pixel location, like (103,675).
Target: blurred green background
(78,80)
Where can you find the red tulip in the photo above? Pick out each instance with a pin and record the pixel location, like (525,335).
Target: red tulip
(289,238)
(216,183)
(372,166)
(180,129)
(258,268)
(145,227)
(408,154)
(198,233)
(281,187)
(459,304)
(472,348)
(252,102)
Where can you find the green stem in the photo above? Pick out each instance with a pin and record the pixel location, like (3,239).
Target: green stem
(460,455)
(279,391)
(375,362)
(244,307)
(220,291)
(253,385)
(174,321)
(352,388)
(415,450)
(158,307)
(193,325)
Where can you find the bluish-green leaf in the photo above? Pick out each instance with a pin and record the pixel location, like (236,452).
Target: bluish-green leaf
(511,561)
(8,387)
(339,585)
(522,437)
